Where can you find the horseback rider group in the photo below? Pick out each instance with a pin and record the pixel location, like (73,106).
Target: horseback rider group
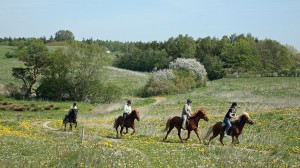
(230,115)
(185,115)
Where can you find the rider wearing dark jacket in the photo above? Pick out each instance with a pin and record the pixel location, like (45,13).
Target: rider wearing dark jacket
(229,115)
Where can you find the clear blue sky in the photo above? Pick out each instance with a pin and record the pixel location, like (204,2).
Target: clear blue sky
(148,20)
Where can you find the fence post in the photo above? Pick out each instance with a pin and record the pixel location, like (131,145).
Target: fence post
(82,138)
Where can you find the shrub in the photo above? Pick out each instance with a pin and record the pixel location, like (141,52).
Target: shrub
(184,75)
(193,66)
(12,90)
(9,55)
(165,74)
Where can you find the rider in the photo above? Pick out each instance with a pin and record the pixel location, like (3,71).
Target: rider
(127,111)
(71,108)
(231,114)
(186,112)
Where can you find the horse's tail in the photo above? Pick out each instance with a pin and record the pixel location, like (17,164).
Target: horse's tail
(65,119)
(115,123)
(210,130)
(168,124)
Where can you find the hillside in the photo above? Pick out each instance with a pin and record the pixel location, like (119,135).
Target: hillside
(125,79)
(273,103)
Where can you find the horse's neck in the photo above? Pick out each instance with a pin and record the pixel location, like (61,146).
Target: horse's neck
(195,119)
(241,125)
(131,118)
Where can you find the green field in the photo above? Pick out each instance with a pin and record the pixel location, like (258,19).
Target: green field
(34,137)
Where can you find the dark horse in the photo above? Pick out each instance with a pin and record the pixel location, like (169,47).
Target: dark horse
(129,122)
(234,131)
(193,124)
(71,118)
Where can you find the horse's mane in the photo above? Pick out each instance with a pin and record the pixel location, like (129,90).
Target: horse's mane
(132,112)
(194,114)
(243,114)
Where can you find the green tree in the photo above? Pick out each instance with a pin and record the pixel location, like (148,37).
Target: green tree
(64,35)
(144,60)
(181,47)
(35,58)
(56,85)
(86,65)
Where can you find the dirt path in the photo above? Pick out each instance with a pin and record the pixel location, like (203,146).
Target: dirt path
(144,108)
(45,125)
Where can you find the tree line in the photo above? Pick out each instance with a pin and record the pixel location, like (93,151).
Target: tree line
(243,54)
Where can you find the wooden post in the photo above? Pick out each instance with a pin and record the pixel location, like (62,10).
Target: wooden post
(82,138)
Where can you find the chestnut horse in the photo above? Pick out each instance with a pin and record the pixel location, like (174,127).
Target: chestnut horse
(234,131)
(193,121)
(71,118)
(128,123)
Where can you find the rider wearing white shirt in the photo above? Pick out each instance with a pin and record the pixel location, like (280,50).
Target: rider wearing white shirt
(127,111)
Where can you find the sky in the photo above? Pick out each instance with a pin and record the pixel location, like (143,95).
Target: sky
(149,20)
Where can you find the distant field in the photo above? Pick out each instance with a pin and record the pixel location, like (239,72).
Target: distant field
(273,103)
(130,82)
(6,65)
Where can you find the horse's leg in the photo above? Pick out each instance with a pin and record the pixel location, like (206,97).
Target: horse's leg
(221,138)
(126,131)
(179,134)
(65,126)
(70,126)
(117,131)
(188,136)
(237,138)
(170,129)
(212,137)
(196,131)
(133,127)
(121,130)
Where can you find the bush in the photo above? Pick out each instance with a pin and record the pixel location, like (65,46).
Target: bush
(184,75)
(163,87)
(104,93)
(13,91)
(54,89)
(193,66)
(9,55)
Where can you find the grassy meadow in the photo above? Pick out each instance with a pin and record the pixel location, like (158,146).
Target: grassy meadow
(32,135)
(274,141)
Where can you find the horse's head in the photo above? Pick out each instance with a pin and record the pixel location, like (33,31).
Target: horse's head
(202,114)
(136,114)
(246,118)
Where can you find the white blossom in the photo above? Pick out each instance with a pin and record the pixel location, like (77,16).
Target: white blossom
(165,74)
(192,65)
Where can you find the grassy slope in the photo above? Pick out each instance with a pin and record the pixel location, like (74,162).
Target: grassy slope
(272,142)
(130,82)
(6,65)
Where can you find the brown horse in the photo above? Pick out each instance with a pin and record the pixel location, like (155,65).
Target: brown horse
(234,131)
(129,122)
(193,121)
